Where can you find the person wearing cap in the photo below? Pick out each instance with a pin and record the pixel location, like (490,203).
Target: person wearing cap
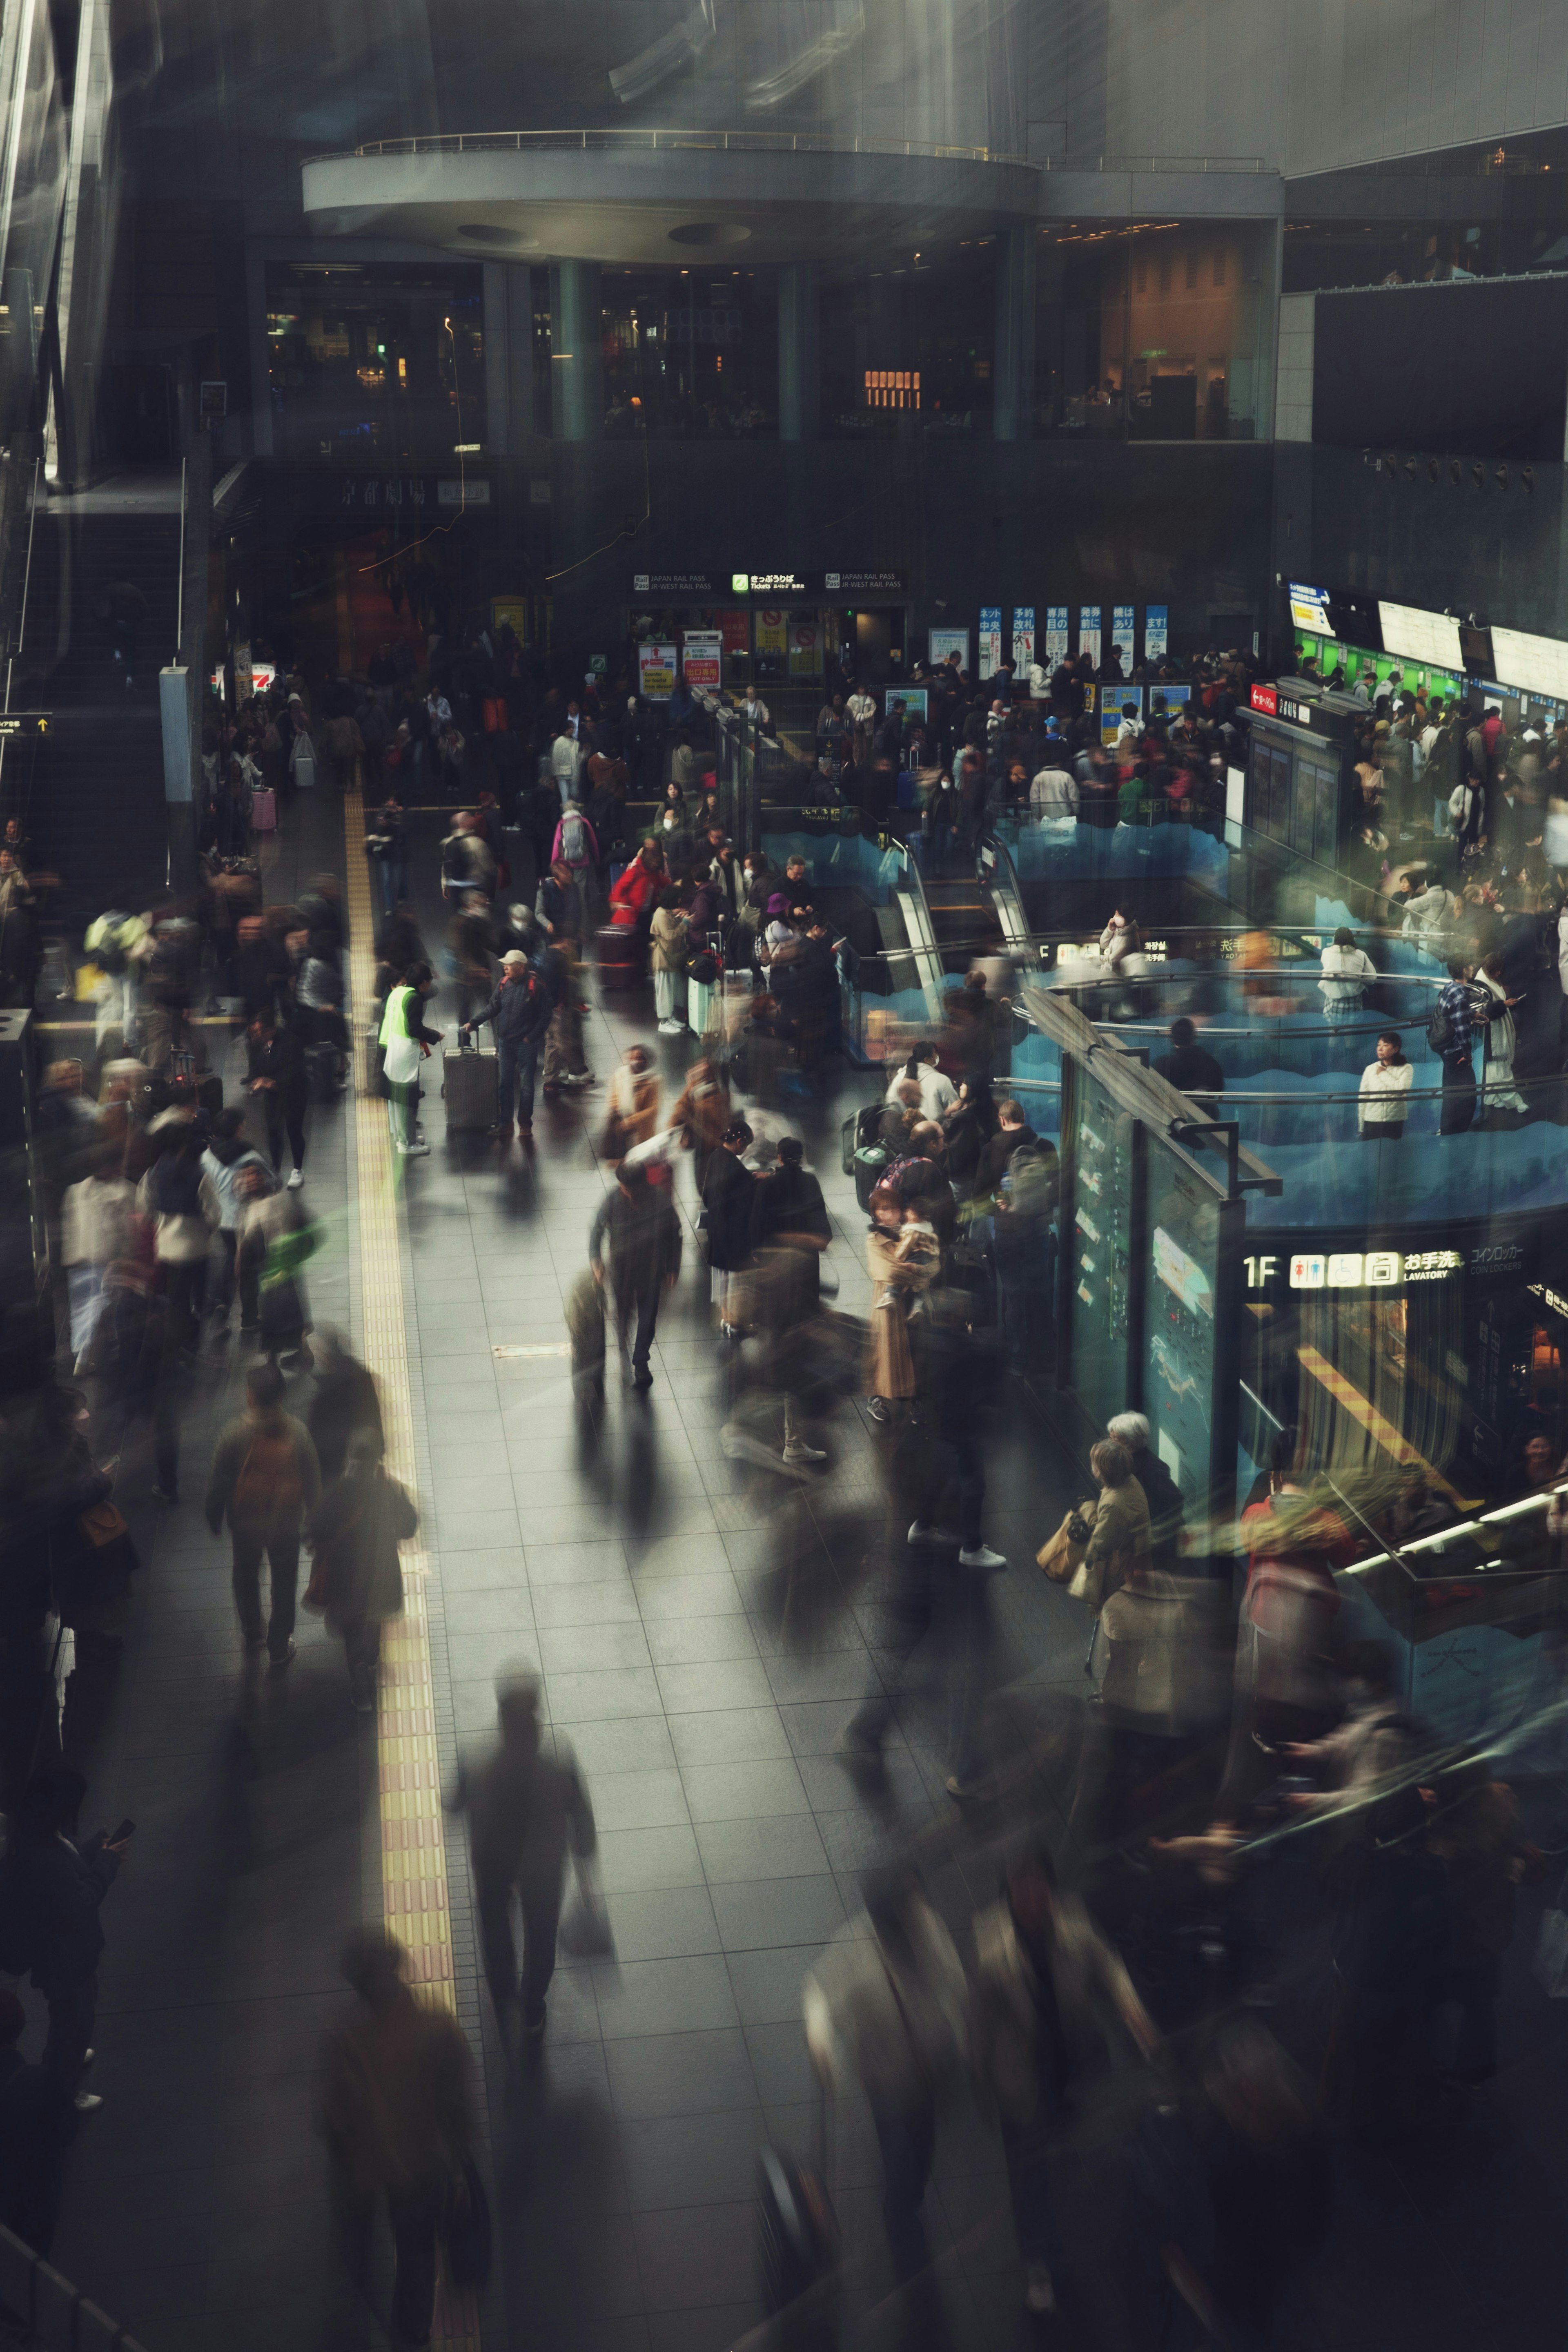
(520,1011)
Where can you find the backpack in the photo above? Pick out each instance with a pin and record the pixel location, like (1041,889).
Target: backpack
(269,1485)
(573,839)
(1440,1029)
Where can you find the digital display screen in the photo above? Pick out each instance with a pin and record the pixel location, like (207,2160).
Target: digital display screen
(1099,1249)
(1184,1223)
(1420,636)
(1309,609)
(1538,663)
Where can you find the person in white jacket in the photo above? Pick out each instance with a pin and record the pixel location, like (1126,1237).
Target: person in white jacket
(95,1229)
(1385,1088)
(887,2013)
(1348,969)
(1053,795)
(937,1092)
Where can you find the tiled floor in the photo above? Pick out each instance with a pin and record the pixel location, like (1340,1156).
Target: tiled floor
(647,1578)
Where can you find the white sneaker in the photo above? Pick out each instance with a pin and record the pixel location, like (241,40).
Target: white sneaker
(923,1535)
(983,1557)
(1039,2290)
(88,2101)
(672,1028)
(415,1150)
(295,1179)
(800,1452)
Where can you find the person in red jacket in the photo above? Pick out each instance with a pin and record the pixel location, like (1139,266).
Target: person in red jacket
(634,896)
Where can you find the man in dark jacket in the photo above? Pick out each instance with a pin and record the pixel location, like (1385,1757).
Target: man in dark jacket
(525,1810)
(275,1070)
(50,1890)
(521,1009)
(634,1242)
(1013,1133)
(1191,1068)
(346,1400)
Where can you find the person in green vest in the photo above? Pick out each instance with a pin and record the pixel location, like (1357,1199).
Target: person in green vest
(407,1042)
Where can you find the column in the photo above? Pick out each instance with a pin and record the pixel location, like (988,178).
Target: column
(576,374)
(797,370)
(1012,361)
(498,360)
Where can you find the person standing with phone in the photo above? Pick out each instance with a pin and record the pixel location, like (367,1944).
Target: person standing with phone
(51,1887)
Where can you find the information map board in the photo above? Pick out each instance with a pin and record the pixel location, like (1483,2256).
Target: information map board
(1099,1146)
(1190,1351)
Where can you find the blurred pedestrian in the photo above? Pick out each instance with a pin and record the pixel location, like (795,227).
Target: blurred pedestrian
(346,1400)
(52,1883)
(527,1811)
(397,2116)
(37,2123)
(266,1481)
(1051,2000)
(886,2014)
(634,1249)
(356,1580)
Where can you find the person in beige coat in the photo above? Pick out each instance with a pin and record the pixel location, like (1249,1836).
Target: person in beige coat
(898,1277)
(667,936)
(1120,1537)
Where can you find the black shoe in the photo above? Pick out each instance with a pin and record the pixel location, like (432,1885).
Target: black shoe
(499,1134)
(643,1378)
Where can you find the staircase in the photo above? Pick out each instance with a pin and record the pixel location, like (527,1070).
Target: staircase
(93,801)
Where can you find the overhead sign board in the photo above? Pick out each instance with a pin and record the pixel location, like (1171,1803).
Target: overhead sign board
(13,723)
(850,582)
(674,583)
(767,583)
(1309,609)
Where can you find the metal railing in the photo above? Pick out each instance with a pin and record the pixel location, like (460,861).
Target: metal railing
(43,2311)
(630,142)
(777,143)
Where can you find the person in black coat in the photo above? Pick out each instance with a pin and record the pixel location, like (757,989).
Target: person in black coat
(634,1244)
(726,1199)
(1161,1493)
(37,2124)
(1191,1068)
(51,1886)
(788,1210)
(345,1399)
(275,1068)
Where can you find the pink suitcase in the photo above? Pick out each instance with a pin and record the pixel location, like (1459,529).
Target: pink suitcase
(264,812)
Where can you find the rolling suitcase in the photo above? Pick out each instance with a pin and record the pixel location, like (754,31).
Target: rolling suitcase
(468,1089)
(585,1326)
(617,953)
(264,811)
(494,708)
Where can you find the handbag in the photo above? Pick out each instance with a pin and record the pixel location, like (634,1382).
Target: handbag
(585,1933)
(103,1524)
(468,2227)
(1062,1556)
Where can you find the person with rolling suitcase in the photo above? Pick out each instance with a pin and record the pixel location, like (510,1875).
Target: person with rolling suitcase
(520,1011)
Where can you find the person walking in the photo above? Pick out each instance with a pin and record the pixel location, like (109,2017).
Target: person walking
(345,1401)
(727,1192)
(520,1009)
(52,1885)
(275,1070)
(232,1166)
(405,1044)
(634,1245)
(1348,973)
(668,934)
(397,2116)
(526,1810)
(266,1481)
(355,1531)
(886,2014)
(387,842)
(1051,2001)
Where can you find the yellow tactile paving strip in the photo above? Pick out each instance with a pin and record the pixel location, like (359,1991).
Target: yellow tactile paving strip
(414,1900)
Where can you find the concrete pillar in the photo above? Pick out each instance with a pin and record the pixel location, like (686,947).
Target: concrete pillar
(498,360)
(577,373)
(1012,362)
(798,374)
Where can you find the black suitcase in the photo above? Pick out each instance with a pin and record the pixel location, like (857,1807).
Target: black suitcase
(468,1089)
(618,953)
(799,2250)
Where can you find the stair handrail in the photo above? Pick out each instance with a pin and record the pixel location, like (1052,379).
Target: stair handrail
(47,2308)
(27,582)
(180,584)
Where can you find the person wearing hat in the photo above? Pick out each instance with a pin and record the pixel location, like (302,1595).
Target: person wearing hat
(521,1011)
